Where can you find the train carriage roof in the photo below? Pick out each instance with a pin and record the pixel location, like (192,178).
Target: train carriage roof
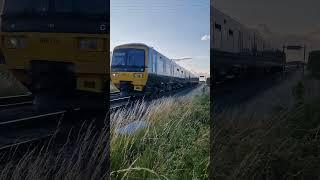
(132,44)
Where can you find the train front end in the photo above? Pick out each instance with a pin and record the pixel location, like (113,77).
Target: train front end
(56,44)
(129,71)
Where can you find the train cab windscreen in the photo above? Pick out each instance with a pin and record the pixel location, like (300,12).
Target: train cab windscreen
(93,7)
(16,7)
(128,60)
(79,16)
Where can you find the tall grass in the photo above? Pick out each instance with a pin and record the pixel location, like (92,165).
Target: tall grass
(273,137)
(174,145)
(86,157)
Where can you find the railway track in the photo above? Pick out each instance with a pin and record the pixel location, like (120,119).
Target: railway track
(32,118)
(239,91)
(19,100)
(34,132)
(28,129)
(26,143)
(119,102)
(15,132)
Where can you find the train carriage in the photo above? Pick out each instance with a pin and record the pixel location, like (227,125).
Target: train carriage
(237,49)
(140,68)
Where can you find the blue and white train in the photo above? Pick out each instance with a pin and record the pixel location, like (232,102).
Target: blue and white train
(140,68)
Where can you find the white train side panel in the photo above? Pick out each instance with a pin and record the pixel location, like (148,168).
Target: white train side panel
(231,36)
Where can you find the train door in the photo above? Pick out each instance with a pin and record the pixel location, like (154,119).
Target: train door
(254,43)
(172,70)
(231,40)
(165,72)
(154,63)
(149,66)
(160,65)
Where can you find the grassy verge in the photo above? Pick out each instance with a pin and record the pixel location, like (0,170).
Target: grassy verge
(83,158)
(175,144)
(282,143)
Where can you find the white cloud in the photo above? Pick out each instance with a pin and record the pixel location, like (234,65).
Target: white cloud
(205,38)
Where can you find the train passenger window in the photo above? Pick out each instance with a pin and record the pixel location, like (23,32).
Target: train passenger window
(218,26)
(230,32)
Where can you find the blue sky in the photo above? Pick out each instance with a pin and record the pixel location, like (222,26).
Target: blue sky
(175,28)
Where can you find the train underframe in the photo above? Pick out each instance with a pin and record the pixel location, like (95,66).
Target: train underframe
(156,85)
(59,80)
(231,66)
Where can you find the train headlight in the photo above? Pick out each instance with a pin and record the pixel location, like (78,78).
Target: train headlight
(115,75)
(15,42)
(88,44)
(138,75)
